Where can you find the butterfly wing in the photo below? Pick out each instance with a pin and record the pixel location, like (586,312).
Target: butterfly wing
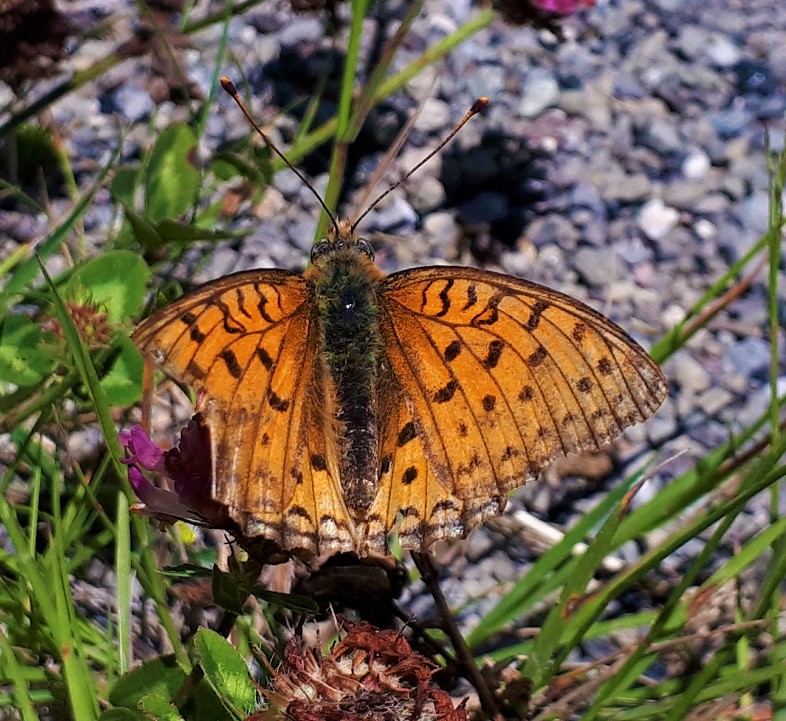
(492,377)
(250,343)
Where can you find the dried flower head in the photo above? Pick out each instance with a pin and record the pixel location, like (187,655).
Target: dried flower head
(370,675)
(91,322)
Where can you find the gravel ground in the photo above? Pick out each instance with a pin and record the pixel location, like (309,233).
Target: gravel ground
(622,163)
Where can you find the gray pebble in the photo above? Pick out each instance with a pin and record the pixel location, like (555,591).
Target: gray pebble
(134,104)
(688,373)
(434,117)
(713,400)
(300,30)
(656,219)
(539,91)
(594,265)
(751,357)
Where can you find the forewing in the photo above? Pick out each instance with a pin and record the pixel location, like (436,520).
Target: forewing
(249,342)
(500,376)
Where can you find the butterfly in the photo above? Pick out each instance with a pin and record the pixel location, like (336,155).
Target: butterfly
(343,404)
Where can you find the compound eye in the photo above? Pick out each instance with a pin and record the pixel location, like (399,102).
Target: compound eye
(365,247)
(322,247)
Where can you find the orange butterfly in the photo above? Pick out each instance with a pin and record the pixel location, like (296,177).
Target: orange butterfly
(343,404)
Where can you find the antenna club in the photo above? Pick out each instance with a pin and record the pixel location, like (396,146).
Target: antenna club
(480,104)
(228,85)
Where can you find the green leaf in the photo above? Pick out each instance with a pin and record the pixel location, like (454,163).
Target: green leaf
(187,570)
(157,706)
(162,674)
(124,184)
(122,714)
(123,383)
(116,282)
(226,591)
(258,171)
(171,179)
(21,360)
(226,671)
(171,232)
(144,232)
(292,601)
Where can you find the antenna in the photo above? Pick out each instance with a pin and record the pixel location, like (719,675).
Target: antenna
(477,106)
(231,90)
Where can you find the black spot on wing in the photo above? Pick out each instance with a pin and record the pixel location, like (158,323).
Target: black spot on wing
(579,331)
(318,462)
(584,384)
(534,318)
(230,323)
(241,301)
(444,394)
(264,358)
(605,367)
(472,296)
(444,296)
(452,350)
(494,353)
(406,435)
(537,357)
(409,475)
(384,465)
(230,361)
(190,320)
(526,394)
(262,306)
(489,403)
(489,315)
(277,403)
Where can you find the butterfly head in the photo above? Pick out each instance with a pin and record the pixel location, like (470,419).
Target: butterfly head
(341,244)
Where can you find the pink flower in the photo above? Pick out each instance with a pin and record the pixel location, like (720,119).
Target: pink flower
(185,469)
(562,7)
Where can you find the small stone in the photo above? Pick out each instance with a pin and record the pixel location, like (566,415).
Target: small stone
(594,265)
(696,165)
(222,262)
(134,104)
(756,212)
(690,375)
(656,219)
(539,91)
(722,52)
(713,400)
(396,216)
(272,204)
(301,30)
(441,230)
(663,425)
(427,194)
(661,136)
(553,228)
(751,357)
(434,117)
(704,229)
(628,188)
(730,122)
(287,182)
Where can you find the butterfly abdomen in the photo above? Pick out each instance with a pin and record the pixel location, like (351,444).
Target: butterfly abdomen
(350,347)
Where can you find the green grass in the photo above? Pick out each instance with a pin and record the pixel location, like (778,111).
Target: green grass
(57,663)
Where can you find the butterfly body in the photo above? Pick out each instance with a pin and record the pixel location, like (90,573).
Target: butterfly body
(343,404)
(345,283)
